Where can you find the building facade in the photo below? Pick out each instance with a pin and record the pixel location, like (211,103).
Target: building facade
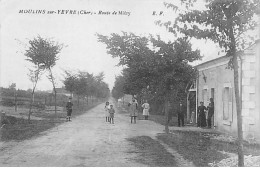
(216,81)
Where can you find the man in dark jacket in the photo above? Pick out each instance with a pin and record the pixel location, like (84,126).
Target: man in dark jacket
(210,109)
(180,114)
(69,109)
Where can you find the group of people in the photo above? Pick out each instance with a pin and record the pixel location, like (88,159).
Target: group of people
(109,113)
(203,119)
(133,109)
(205,114)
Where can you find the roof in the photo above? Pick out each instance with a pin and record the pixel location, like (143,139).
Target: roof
(222,57)
(209,61)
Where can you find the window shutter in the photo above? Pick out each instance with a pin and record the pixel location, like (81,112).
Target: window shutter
(230,106)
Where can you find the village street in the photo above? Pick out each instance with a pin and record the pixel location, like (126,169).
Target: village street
(86,141)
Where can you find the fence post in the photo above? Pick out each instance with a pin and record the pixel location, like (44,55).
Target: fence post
(15,100)
(2,114)
(45,102)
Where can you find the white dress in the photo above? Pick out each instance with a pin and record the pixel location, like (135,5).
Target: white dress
(107,111)
(146,108)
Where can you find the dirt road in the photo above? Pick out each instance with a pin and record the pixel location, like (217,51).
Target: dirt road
(86,141)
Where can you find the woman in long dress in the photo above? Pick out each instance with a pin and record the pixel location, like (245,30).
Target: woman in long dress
(201,115)
(146,108)
(133,111)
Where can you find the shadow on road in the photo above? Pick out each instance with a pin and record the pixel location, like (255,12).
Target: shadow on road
(151,152)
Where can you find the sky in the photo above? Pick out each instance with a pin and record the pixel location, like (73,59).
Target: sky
(77,32)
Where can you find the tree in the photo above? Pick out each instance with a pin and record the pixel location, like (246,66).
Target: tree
(224,22)
(34,55)
(46,52)
(34,76)
(12,86)
(92,85)
(102,89)
(163,67)
(118,89)
(70,82)
(84,84)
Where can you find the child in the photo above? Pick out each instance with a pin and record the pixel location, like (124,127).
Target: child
(112,113)
(133,111)
(107,111)
(69,109)
(192,117)
(146,108)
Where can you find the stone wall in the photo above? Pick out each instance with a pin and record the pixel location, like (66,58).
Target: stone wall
(250,111)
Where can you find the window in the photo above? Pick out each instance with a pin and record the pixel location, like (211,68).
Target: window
(205,96)
(227,104)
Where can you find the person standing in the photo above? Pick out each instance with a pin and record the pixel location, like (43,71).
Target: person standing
(119,102)
(192,117)
(201,115)
(112,114)
(107,111)
(210,109)
(69,106)
(180,114)
(133,111)
(146,108)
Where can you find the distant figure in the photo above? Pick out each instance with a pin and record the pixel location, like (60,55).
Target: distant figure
(107,115)
(210,109)
(69,109)
(112,114)
(133,111)
(119,102)
(170,112)
(201,115)
(192,117)
(146,108)
(180,112)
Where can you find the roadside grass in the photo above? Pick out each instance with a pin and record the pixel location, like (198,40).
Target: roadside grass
(20,129)
(151,152)
(201,149)
(193,147)
(160,119)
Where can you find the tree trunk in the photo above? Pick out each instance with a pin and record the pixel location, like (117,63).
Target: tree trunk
(55,100)
(30,109)
(78,100)
(166,107)
(54,89)
(238,102)
(239,115)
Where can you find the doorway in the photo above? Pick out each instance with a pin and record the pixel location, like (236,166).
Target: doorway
(212,95)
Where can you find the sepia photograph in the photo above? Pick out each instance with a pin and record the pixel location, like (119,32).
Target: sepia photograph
(129,83)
